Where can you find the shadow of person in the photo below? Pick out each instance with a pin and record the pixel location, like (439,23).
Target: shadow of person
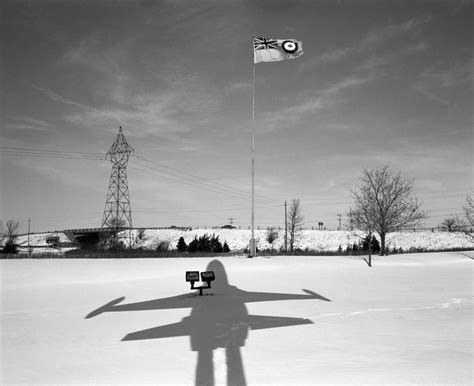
(219,320)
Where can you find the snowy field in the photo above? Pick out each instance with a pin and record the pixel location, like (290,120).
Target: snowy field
(279,320)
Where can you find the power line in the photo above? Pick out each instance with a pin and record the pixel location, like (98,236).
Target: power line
(443,191)
(25,152)
(200,209)
(195,180)
(45,150)
(186,183)
(47,155)
(192,178)
(200,179)
(191,182)
(437,210)
(444,215)
(311,203)
(56,219)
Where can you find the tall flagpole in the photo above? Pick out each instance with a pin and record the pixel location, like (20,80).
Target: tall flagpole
(253,251)
(270,50)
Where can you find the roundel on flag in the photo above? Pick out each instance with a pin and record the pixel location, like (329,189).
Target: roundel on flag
(290,46)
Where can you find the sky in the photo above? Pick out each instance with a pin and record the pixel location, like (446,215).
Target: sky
(380,82)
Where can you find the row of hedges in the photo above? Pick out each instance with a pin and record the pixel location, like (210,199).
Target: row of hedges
(204,243)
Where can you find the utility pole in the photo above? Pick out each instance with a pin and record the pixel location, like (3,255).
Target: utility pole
(370,247)
(231,221)
(29,221)
(286,230)
(339,215)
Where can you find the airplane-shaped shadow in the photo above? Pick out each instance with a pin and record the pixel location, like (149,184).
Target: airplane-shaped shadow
(218,320)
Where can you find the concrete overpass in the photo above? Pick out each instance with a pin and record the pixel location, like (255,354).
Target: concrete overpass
(89,235)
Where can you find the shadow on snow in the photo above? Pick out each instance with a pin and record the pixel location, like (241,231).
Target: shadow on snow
(219,320)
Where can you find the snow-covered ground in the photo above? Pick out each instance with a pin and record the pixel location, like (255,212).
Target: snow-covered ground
(238,240)
(39,244)
(280,320)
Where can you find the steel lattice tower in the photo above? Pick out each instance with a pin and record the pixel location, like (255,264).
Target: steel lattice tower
(117,212)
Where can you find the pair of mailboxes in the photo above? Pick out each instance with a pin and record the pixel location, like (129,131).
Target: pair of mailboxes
(193,276)
(207,277)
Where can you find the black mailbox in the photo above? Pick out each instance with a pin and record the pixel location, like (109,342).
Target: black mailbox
(192,276)
(208,276)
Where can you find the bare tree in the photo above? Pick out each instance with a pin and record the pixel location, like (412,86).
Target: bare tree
(271,236)
(468,220)
(116,223)
(450,223)
(10,233)
(383,202)
(11,230)
(469,211)
(295,220)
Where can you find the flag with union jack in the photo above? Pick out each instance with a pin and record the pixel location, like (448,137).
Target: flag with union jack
(274,50)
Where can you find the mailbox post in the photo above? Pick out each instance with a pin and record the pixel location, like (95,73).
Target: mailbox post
(193,277)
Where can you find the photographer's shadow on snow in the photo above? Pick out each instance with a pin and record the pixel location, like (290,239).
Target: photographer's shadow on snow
(219,320)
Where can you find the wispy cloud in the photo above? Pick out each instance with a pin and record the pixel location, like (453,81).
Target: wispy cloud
(58,172)
(375,62)
(26,123)
(341,126)
(420,160)
(460,72)
(373,39)
(135,120)
(381,35)
(238,86)
(53,95)
(346,83)
(334,56)
(437,82)
(91,52)
(168,113)
(143,113)
(148,99)
(431,95)
(326,98)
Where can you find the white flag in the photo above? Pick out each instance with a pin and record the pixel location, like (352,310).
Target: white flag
(274,50)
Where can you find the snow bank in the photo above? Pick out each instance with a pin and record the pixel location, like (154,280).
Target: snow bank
(428,240)
(315,240)
(39,245)
(39,239)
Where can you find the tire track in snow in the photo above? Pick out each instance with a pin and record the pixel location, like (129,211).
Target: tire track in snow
(454,301)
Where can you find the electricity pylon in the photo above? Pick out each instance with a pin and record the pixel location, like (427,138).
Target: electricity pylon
(117,212)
